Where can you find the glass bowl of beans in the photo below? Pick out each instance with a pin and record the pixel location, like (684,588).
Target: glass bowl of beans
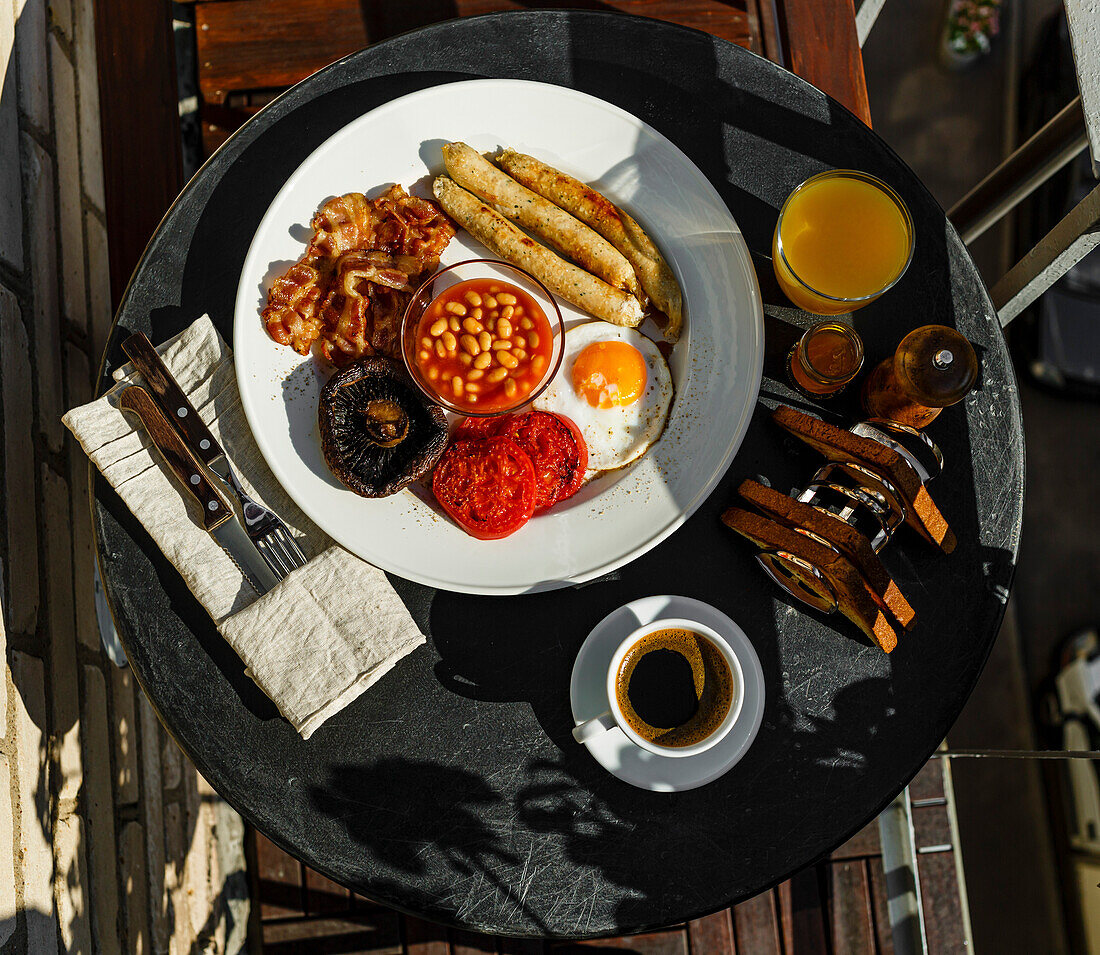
(482,337)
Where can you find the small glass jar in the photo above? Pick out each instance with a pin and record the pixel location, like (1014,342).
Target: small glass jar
(825,359)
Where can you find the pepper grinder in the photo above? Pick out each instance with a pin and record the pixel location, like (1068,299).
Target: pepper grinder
(933,368)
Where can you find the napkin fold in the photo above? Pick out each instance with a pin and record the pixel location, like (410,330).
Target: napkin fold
(325,633)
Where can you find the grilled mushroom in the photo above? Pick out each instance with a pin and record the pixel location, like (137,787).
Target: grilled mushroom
(378,433)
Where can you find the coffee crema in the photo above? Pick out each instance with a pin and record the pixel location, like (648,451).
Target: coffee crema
(674,687)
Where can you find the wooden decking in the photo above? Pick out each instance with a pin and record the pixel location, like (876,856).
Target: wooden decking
(250,50)
(837,906)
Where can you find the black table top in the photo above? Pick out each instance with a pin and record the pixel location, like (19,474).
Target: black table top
(453,789)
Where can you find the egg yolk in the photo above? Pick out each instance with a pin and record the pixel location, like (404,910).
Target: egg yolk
(607,374)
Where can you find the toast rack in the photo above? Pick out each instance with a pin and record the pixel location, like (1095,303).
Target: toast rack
(822,543)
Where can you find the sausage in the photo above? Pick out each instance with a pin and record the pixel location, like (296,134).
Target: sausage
(496,233)
(609,221)
(542,218)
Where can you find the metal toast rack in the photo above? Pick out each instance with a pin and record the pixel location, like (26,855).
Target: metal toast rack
(821,544)
(862,498)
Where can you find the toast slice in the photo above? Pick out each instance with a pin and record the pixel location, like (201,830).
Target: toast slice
(843,446)
(851,543)
(854,598)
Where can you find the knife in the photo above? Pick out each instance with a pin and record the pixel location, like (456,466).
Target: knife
(175,404)
(264,527)
(218,518)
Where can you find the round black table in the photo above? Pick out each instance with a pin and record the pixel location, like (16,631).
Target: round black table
(453,789)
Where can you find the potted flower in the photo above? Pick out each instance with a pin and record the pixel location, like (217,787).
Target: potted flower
(968,31)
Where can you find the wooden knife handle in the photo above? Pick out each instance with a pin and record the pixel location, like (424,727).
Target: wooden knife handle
(173,402)
(176,454)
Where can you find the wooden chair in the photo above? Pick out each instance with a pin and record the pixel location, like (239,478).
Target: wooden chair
(249,50)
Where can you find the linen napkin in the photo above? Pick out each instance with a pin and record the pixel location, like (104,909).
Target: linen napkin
(325,633)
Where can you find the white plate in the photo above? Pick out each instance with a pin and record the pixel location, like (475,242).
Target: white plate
(613,750)
(716,366)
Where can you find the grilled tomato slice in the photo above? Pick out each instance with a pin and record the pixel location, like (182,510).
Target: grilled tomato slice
(555,452)
(574,483)
(477,429)
(487,487)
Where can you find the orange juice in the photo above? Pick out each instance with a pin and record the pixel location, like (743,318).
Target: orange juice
(842,239)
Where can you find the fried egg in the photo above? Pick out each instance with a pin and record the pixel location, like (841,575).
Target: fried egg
(616,387)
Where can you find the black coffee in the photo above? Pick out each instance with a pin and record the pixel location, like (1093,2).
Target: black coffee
(674,687)
(662,689)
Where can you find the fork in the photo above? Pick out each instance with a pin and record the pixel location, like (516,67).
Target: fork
(264,527)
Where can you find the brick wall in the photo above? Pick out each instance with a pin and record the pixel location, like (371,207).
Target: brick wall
(109,839)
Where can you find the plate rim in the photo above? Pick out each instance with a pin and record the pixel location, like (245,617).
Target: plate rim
(756,341)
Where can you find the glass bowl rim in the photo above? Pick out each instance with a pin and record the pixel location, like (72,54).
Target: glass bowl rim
(872,180)
(442,401)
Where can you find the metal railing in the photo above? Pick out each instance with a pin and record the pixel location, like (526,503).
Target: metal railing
(1060,141)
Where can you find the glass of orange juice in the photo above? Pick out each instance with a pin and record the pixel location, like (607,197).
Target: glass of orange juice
(842,239)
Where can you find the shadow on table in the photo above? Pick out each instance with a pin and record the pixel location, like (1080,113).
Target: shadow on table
(565,849)
(452,852)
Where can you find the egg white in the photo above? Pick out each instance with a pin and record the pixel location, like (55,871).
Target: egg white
(615,436)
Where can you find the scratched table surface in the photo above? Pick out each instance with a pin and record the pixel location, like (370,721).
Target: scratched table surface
(453,789)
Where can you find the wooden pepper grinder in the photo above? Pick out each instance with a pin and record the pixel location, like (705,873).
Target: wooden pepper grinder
(934,367)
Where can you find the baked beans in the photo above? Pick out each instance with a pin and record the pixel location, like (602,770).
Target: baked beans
(484,343)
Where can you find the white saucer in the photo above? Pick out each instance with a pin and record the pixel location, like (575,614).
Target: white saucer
(618,755)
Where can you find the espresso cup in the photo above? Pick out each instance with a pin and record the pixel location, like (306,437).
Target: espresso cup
(683,739)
